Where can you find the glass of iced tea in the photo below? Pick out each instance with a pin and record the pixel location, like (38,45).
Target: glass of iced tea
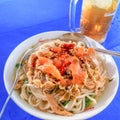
(96,17)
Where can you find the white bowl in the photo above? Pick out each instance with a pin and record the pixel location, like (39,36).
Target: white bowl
(103,102)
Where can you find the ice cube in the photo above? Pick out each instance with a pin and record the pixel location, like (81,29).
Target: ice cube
(104,4)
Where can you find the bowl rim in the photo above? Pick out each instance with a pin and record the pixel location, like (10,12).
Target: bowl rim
(32,40)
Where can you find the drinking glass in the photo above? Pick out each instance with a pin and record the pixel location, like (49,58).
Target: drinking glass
(96,17)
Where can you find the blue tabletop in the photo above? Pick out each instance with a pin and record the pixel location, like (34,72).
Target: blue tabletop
(20,19)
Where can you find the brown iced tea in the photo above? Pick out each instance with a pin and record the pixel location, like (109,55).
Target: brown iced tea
(95,21)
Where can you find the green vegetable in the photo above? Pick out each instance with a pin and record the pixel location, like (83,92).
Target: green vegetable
(65,102)
(87,102)
(92,96)
(18,65)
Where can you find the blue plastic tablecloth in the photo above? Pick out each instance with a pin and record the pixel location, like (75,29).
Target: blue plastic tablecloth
(20,19)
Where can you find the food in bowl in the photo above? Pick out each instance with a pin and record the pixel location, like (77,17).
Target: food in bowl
(62,77)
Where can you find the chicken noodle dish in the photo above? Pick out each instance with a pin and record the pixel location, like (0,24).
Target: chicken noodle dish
(62,77)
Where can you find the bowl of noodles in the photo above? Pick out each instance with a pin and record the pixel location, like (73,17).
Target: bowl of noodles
(61,79)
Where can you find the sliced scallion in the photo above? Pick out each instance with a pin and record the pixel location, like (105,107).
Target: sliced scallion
(18,65)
